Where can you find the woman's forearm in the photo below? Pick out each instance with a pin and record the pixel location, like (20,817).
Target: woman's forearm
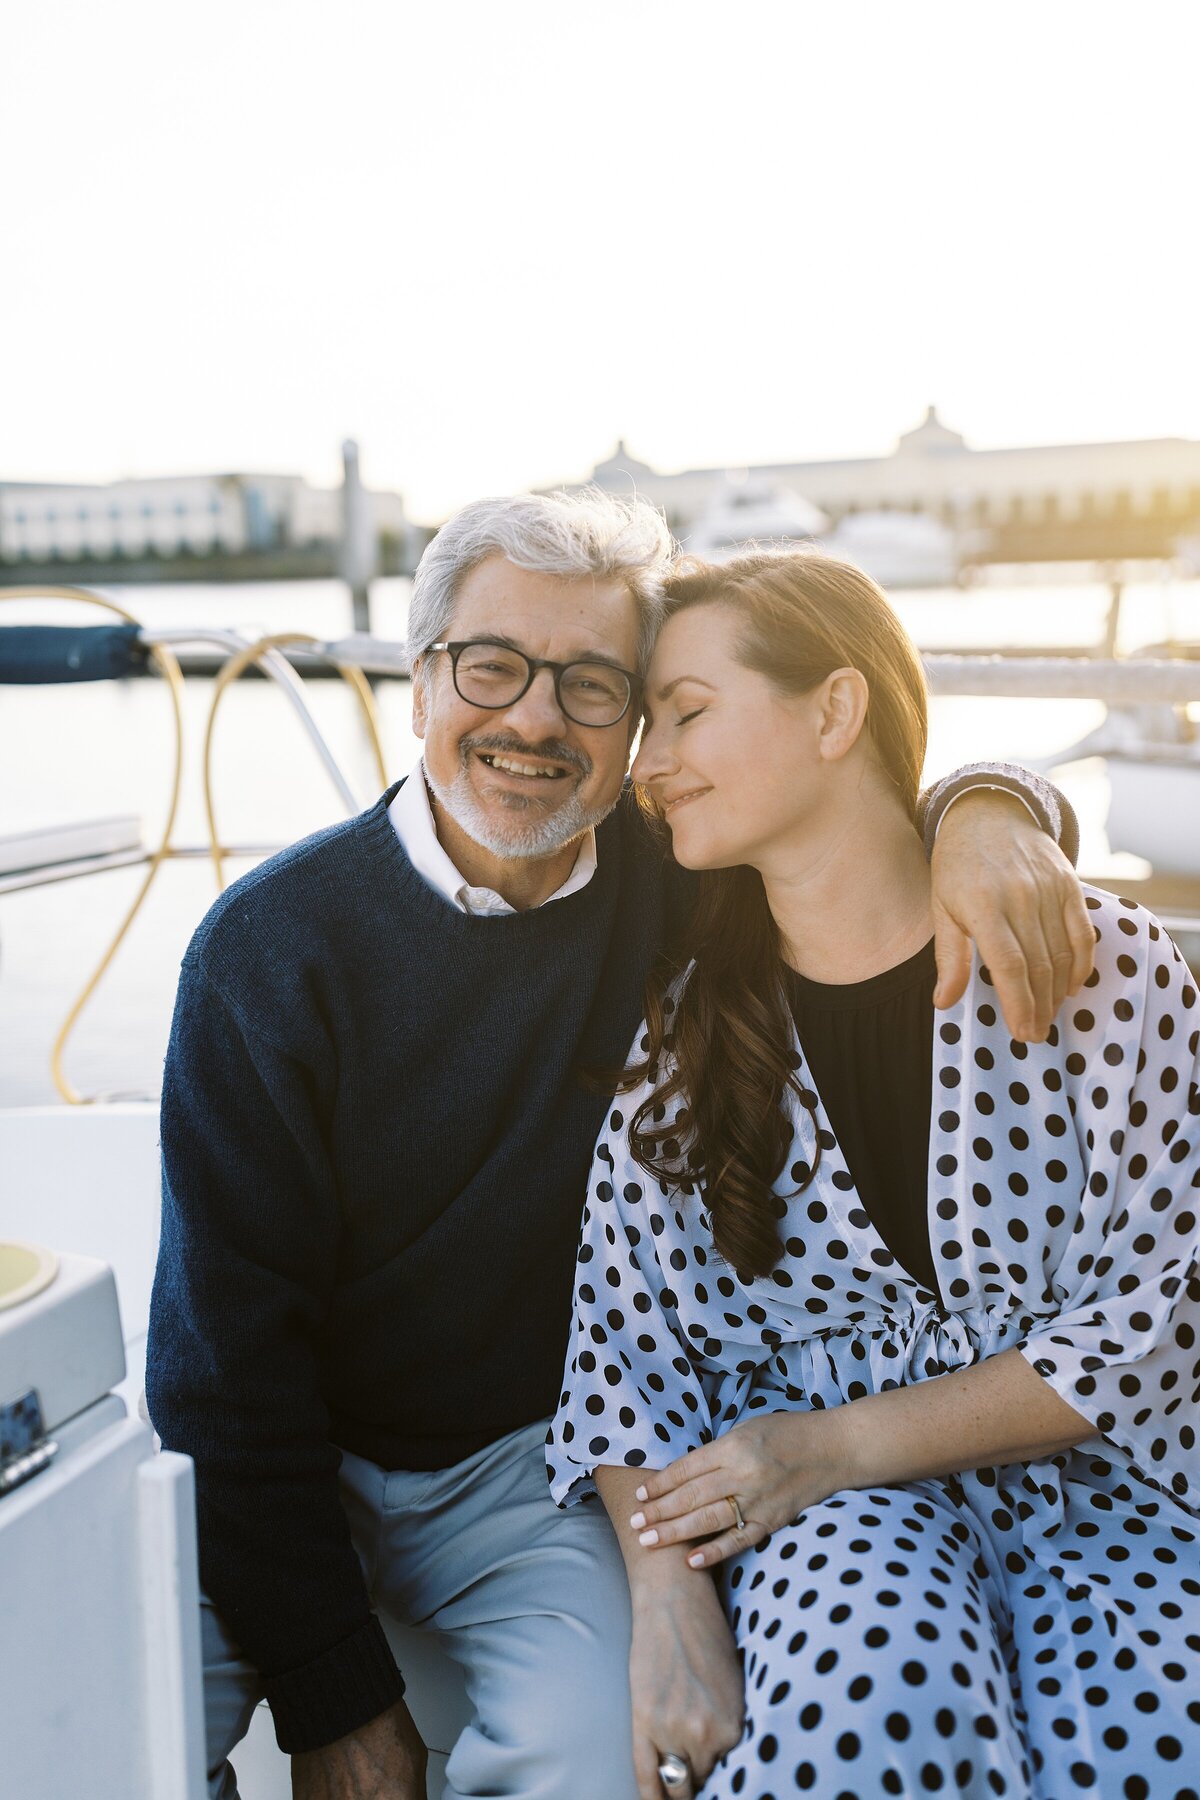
(617,1487)
(1000,1411)
(684,1675)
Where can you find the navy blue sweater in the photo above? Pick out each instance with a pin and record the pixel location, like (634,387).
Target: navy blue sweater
(375,1147)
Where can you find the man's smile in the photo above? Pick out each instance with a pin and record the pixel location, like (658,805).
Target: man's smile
(523,767)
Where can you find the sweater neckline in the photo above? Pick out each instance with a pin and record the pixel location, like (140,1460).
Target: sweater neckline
(381,834)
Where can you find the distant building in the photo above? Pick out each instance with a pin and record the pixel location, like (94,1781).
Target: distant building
(177,515)
(1043,502)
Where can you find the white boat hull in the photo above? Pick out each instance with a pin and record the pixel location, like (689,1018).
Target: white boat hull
(1154,811)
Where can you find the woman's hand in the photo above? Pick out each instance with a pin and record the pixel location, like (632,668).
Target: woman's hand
(773,1466)
(685,1680)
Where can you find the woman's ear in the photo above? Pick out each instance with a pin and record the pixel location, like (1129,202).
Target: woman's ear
(844,698)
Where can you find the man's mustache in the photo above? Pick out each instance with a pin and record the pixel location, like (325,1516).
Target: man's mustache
(499,743)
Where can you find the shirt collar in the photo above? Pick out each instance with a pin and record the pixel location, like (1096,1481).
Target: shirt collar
(412,819)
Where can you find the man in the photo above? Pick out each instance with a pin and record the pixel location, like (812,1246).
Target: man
(375,1143)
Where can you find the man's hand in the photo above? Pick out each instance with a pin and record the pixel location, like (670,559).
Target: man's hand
(1000,880)
(383,1760)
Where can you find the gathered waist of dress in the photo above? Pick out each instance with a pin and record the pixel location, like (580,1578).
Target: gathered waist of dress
(843,1362)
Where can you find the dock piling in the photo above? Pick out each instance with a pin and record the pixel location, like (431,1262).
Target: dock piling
(359,555)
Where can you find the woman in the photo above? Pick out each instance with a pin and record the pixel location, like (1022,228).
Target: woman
(884,1359)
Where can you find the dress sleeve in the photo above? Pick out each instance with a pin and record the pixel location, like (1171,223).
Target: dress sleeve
(632,1392)
(1125,1349)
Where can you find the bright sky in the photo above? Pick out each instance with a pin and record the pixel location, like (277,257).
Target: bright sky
(488,238)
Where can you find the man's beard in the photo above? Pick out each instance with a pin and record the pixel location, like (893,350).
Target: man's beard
(539,836)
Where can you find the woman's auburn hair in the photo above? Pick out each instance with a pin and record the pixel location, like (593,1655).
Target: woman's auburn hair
(724,1033)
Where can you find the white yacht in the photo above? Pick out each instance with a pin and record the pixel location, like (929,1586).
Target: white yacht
(1154,808)
(1152,759)
(898,550)
(748,511)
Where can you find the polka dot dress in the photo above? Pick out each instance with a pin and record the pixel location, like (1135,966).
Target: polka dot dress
(1025,1630)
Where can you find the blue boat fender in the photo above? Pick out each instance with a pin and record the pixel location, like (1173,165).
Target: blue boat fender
(58,653)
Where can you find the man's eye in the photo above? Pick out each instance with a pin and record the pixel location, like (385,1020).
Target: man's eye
(587,686)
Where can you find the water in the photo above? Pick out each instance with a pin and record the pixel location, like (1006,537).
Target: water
(75,753)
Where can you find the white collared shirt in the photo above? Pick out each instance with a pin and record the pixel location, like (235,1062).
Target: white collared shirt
(412,820)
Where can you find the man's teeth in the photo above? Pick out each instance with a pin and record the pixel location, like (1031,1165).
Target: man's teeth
(513,767)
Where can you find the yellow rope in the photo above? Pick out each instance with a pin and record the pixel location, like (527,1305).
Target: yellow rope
(169,668)
(229,672)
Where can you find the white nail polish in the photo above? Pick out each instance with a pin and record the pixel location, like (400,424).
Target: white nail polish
(696,1560)
(640,1494)
(637,1521)
(648,1537)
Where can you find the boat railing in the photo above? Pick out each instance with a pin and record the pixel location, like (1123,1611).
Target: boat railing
(1131,681)
(359,658)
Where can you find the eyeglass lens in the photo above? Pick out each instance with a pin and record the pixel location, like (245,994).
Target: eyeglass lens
(589,693)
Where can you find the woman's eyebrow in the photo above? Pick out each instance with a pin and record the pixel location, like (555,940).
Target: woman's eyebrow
(664,693)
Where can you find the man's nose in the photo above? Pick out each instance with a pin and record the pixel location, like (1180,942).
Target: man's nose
(537,714)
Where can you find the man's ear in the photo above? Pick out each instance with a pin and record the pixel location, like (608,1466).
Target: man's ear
(419,680)
(844,700)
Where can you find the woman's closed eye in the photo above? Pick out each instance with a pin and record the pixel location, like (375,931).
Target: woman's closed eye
(694,714)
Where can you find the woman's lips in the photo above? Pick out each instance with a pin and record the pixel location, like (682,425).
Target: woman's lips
(670,806)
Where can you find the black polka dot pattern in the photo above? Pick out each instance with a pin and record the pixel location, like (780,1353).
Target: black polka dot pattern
(1027,1630)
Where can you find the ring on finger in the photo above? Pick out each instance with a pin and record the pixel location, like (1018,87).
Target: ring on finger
(675,1774)
(737,1512)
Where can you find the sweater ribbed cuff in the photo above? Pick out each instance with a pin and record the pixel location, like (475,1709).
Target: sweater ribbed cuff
(1048,805)
(338,1691)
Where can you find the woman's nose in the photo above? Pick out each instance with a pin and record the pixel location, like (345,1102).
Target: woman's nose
(653,759)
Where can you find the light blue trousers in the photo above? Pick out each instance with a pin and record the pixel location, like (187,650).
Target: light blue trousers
(530,1601)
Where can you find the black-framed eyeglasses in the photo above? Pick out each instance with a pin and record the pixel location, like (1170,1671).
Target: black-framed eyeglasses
(495,675)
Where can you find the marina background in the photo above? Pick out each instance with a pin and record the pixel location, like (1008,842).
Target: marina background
(490,241)
(722,257)
(79,752)
(494,243)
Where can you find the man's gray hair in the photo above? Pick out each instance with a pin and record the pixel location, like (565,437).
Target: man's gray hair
(590,532)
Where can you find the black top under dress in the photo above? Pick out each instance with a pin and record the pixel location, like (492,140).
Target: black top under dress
(869,1045)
